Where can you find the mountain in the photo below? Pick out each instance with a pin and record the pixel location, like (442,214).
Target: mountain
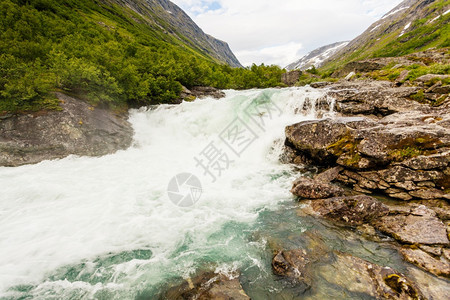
(412,26)
(175,22)
(316,57)
(116,53)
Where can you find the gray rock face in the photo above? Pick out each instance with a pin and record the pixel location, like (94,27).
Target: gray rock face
(78,129)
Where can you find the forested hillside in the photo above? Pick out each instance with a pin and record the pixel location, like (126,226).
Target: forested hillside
(105,53)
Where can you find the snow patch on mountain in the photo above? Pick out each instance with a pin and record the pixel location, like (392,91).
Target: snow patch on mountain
(317,57)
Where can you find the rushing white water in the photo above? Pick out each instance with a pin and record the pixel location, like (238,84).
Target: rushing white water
(79,211)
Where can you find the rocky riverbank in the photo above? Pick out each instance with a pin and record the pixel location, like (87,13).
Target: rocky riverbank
(385,172)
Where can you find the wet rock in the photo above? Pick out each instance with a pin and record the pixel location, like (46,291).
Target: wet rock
(293,265)
(351,210)
(360,276)
(78,129)
(413,229)
(208,285)
(308,188)
(439,266)
(432,287)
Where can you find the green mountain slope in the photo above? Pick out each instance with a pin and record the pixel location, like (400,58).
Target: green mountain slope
(114,52)
(412,26)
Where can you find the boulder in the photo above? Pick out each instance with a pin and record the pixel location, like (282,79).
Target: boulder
(351,210)
(78,128)
(308,188)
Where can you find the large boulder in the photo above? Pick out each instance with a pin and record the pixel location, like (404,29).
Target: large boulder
(349,210)
(78,128)
(308,188)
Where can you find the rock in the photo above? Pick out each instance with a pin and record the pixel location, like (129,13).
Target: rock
(429,162)
(78,129)
(436,251)
(293,265)
(349,76)
(429,77)
(322,84)
(307,188)
(359,67)
(207,91)
(432,287)
(329,175)
(207,285)
(445,90)
(291,78)
(352,210)
(411,229)
(402,155)
(363,277)
(437,266)
(402,77)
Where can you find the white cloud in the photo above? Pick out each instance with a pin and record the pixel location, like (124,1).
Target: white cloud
(279,32)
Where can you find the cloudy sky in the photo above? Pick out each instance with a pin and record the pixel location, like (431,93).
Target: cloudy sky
(280,32)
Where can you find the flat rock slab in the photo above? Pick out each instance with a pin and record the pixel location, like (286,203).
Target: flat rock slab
(360,276)
(439,266)
(412,229)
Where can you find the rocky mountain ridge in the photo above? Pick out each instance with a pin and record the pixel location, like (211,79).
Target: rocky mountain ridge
(412,26)
(174,21)
(316,57)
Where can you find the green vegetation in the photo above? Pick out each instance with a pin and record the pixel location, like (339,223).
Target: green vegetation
(103,53)
(422,35)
